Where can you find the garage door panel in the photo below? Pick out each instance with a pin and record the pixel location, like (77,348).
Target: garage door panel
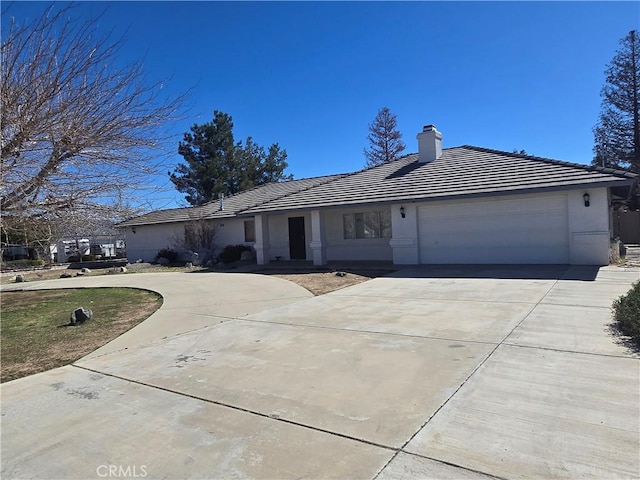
(522,230)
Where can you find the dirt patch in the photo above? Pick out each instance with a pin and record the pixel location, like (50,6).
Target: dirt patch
(320,283)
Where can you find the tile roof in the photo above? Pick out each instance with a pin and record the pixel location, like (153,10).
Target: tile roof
(233,205)
(464,171)
(461,171)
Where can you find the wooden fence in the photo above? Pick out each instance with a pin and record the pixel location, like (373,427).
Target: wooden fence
(626,226)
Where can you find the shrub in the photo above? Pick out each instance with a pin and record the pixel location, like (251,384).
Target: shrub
(626,313)
(167,253)
(232,253)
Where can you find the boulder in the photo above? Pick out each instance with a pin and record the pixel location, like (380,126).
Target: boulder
(66,275)
(341,274)
(19,278)
(122,269)
(189,265)
(80,315)
(85,270)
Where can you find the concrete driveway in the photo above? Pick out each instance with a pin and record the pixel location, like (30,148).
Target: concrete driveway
(445,372)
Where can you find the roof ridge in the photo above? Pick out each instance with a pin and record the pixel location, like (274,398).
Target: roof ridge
(335,177)
(383,163)
(330,178)
(589,168)
(257,187)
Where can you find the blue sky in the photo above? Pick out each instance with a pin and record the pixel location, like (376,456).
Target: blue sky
(312,75)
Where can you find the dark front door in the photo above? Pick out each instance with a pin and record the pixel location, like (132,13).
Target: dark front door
(297,246)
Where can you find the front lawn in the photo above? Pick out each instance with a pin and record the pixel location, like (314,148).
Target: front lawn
(34,326)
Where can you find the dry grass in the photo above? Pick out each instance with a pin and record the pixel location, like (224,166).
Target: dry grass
(35,330)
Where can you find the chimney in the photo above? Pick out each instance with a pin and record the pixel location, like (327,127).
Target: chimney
(429,144)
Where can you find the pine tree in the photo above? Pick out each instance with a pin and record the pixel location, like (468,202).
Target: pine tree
(617,134)
(215,165)
(385,141)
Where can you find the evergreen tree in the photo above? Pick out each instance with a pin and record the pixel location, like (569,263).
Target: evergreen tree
(215,164)
(385,141)
(617,134)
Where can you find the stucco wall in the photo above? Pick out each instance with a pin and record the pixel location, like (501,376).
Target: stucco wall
(148,239)
(279,235)
(404,243)
(589,234)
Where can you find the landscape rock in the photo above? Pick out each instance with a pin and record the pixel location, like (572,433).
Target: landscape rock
(80,315)
(189,265)
(85,270)
(341,274)
(19,278)
(66,275)
(122,269)
(80,273)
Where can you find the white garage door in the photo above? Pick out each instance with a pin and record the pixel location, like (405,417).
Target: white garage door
(517,230)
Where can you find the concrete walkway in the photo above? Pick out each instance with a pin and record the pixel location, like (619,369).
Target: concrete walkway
(190,300)
(447,372)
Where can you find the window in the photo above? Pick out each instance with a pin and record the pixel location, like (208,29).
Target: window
(367,224)
(249,231)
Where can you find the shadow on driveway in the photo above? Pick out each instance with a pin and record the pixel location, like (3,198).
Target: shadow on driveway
(379,269)
(523,272)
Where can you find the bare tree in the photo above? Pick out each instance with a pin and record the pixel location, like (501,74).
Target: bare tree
(34,235)
(200,235)
(385,141)
(198,239)
(77,130)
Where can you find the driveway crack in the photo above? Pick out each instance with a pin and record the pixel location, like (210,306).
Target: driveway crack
(241,409)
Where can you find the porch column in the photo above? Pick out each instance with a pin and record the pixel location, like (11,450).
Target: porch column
(404,241)
(262,239)
(318,243)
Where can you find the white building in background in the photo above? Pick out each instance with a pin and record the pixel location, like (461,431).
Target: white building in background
(102,246)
